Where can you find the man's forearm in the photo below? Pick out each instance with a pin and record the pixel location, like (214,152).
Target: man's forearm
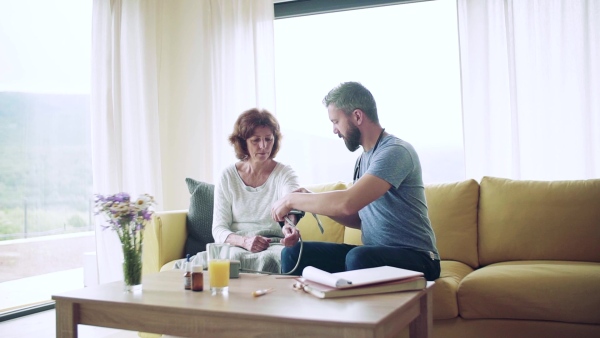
(333,204)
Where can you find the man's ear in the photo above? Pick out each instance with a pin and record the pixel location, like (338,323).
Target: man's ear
(358,116)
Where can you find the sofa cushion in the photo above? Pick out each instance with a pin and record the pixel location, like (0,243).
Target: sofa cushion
(539,220)
(333,231)
(445,289)
(452,211)
(533,290)
(509,328)
(199,217)
(353,236)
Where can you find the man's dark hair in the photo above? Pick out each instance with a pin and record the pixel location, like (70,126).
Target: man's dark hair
(349,96)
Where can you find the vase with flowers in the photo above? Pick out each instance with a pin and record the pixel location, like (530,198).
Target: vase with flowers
(128,219)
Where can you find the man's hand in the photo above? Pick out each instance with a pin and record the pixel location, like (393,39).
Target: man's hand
(282,207)
(256,243)
(291,235)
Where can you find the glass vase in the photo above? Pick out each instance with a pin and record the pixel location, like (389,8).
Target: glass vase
(132,269)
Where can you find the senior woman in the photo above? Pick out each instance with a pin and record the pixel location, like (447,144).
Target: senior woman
(247,189)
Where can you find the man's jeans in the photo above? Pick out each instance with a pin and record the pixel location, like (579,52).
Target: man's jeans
(334,257)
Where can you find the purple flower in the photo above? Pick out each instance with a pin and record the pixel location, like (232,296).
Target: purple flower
(122,214)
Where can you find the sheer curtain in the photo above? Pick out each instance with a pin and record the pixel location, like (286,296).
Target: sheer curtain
(168,80)
(530,82)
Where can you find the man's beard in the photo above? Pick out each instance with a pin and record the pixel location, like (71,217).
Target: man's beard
(352,141)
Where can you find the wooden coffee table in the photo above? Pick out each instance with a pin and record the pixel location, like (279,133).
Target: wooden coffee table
(165,307)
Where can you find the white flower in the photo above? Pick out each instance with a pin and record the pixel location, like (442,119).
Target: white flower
(143,202)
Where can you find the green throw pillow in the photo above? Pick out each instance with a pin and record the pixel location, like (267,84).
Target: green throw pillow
(199,217)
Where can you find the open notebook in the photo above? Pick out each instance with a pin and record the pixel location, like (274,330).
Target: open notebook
(382,279)
(355,278)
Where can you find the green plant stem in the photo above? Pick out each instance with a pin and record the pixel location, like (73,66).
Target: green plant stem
(131,243)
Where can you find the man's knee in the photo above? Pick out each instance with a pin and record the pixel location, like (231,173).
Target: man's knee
(357,259)
(290,252)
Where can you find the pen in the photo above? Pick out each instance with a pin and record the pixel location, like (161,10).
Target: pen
(262,292)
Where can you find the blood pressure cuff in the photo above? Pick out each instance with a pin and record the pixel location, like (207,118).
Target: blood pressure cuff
(299,214)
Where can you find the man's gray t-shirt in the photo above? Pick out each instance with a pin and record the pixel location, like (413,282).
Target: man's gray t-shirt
(399,217)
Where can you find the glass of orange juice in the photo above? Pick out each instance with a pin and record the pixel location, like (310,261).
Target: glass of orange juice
(218,267)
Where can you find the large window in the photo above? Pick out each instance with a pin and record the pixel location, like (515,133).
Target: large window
(45,166)
(406,54)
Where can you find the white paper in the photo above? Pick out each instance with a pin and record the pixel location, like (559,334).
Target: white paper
(324,277)
(356,278)
(379,274)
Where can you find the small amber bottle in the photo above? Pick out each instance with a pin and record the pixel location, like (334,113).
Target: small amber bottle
(197,278)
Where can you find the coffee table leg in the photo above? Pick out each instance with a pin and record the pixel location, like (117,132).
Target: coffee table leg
(66,319)
(422,326)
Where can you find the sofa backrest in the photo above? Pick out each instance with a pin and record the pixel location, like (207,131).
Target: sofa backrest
(539,220)
(452,209)
(333,231)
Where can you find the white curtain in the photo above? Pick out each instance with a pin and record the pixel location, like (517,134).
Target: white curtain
(530,88)
(168,80)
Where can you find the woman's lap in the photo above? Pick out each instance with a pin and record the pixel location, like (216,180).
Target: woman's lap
(268,260)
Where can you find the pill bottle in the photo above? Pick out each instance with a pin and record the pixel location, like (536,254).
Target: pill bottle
(187,276)
(197,278)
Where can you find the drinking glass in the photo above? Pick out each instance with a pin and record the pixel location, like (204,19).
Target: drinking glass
(218,267)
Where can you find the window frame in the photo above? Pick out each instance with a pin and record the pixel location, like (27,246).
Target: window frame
(294,8)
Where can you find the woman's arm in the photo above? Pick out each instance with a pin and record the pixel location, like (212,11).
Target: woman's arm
(250,243)
(222,210)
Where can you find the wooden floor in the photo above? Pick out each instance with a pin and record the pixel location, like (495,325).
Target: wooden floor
(38,290)
(19,293)
(43,325)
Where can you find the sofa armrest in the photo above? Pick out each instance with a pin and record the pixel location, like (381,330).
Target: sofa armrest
(164,239)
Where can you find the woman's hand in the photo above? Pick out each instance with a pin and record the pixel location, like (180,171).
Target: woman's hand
(291,235)
(256,243)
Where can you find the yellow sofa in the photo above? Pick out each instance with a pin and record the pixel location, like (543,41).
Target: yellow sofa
(519,258)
